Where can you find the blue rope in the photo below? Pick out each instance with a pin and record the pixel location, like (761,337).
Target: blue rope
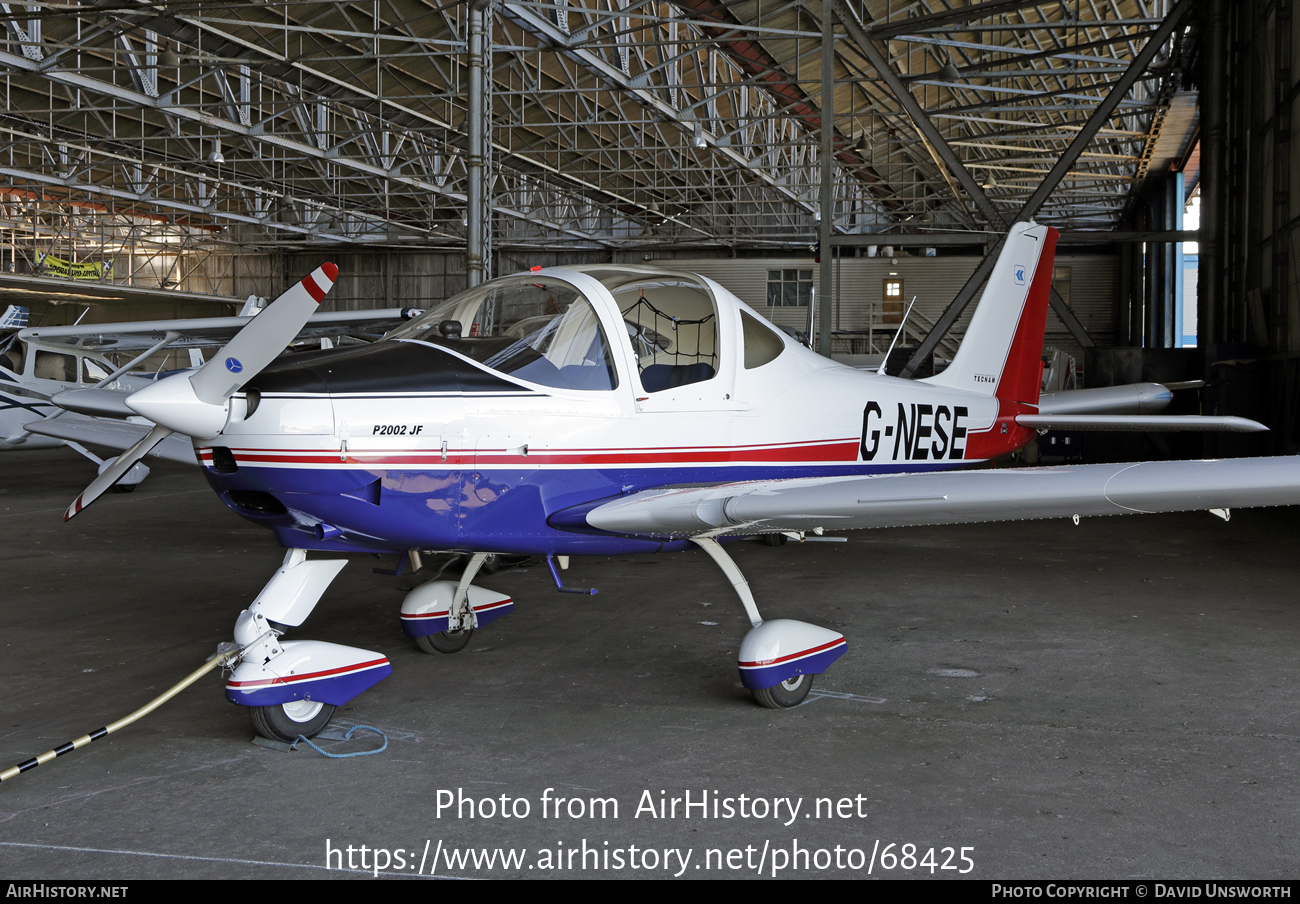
(346,737)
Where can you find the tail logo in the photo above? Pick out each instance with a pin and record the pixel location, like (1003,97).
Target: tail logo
(1019,274)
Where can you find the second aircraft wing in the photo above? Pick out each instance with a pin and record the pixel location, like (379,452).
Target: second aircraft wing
(113,434)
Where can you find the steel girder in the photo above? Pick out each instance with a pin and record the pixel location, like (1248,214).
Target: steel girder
(612,122)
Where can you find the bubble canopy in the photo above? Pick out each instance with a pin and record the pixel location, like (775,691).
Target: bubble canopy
(540,330)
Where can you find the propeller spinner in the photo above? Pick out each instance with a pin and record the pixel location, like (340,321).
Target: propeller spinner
(198,404)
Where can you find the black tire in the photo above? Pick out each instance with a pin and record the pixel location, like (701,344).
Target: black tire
(775,539)
(124,487)
(790,692)
(445,641)
(301,718)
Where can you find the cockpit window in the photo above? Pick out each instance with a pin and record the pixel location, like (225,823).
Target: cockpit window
(12,353)
(762,344)
(542,332)
(54,366)
(92,371)
(673,325)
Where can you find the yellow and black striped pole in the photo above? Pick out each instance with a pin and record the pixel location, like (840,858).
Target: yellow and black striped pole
(214,662)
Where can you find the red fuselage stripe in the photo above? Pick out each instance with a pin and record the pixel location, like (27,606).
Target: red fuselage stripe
(838,450)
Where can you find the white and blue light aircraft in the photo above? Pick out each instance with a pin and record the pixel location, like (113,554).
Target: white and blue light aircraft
(620,409)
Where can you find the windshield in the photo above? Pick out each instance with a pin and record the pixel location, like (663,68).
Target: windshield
(12,352)
(543,332)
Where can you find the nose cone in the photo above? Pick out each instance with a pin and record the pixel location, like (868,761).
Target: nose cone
(171,402)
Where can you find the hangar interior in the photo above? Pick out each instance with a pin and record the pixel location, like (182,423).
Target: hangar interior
(828,161)
(218,150)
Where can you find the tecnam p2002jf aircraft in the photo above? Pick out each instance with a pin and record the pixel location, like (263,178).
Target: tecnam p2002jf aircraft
(614,409)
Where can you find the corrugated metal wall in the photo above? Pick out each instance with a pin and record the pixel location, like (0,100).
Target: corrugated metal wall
(1092,291)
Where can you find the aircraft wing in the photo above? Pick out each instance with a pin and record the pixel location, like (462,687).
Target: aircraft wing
(207,332)
(948,497)
(114,434)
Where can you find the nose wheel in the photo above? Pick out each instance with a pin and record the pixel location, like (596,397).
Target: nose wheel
(791,692)
(288,720)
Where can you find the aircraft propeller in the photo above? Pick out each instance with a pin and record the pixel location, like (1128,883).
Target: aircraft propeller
(198,404)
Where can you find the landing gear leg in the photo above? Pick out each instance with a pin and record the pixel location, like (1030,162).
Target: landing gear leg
(778,658)
(729,568)
(292,688)
(462,615)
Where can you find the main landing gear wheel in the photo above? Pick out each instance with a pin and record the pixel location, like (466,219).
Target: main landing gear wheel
(445,641)
(124,487)
(790,692)
(288,720)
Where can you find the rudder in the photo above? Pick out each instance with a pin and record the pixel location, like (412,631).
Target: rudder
(1001,353)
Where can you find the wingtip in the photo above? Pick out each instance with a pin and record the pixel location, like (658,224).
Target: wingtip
(73,509)
(331,271)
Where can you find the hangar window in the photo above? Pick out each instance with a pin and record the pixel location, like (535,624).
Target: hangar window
(789,288)
(891,309)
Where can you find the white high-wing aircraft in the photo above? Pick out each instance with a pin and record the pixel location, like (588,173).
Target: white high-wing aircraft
(33,372)
(47,372)
(618,409)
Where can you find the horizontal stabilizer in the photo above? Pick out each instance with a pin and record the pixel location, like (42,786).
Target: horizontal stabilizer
(1163,423)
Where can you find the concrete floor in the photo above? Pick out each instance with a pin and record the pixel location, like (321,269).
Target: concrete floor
(1116,699)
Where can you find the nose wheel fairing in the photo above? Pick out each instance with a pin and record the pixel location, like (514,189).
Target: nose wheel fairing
(307,670)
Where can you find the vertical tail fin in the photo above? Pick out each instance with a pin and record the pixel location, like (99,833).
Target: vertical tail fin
(1001,353)
(14,316)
